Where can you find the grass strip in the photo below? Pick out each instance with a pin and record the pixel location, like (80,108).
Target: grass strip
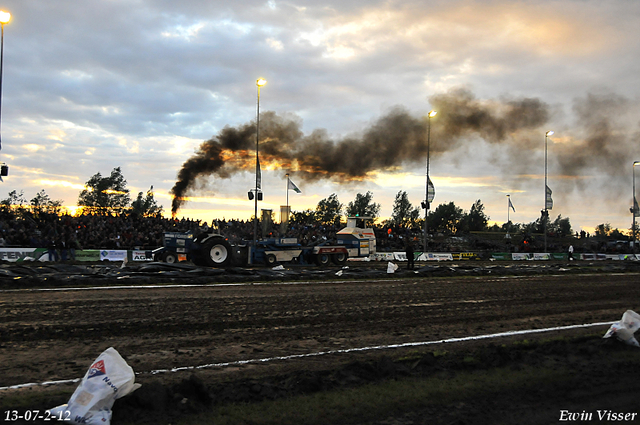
(380,400)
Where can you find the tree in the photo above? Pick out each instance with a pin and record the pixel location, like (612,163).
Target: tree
(105,194)
(145,206)
(363,207)
(618,235)
(42,204)
(306,217)
(476,220)
(603,229)
(446,218)
(403,212)
(561,226)
(508,227)
(15,200)
(329,210)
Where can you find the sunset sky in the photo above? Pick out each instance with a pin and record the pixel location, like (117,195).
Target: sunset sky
(93,85)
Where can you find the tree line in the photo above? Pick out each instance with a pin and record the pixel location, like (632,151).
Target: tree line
(101,195)
(109,194)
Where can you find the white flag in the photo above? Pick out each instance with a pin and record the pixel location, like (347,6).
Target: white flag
(293,187)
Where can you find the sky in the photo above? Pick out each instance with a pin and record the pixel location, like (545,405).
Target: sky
(167,91)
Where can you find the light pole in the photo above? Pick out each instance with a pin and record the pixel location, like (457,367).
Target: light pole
(259,83)
(4,18)
(545,214)
(429,195)
(633,207)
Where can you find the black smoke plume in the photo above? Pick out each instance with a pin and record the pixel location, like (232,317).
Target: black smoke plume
(395,139)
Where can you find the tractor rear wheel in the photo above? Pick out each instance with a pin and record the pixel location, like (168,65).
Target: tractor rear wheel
(217,252)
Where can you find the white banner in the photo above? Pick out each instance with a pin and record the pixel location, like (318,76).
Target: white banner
(519,256)
(381,256)
(113,255)
(21,254)
(430,256)
(140,256)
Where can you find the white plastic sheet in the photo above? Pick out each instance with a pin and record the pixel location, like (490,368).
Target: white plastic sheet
(391,268)
(108,378)
(625,329)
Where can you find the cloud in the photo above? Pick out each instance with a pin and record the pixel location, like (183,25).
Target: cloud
(165,76)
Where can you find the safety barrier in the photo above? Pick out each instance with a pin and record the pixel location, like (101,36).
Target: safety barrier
(42,254)
(92,255)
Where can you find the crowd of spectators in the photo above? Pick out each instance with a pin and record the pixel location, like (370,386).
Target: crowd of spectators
(60,233)
(126,231)
(88,231)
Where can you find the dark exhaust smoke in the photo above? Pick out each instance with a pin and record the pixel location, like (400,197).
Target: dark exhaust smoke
(397,138)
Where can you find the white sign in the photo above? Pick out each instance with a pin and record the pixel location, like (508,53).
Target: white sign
(113,255)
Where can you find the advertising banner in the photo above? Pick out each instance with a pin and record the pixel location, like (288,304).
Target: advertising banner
(430,256)
(88,255)
(113,255)
(400,256)
(141,256)
(381,256)
(592,257)
(23,254)
(465,256)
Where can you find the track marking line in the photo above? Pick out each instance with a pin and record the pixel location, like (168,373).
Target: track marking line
(324,353)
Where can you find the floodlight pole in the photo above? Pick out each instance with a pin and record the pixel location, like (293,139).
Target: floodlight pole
(259,83)
(546,212)
(426,198)
(4,18)
(633,206)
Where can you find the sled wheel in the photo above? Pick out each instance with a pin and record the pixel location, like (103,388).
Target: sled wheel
(270,259)
(339,258)
(322,259)
(170,257)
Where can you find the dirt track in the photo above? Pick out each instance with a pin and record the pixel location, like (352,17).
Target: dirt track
(55,335)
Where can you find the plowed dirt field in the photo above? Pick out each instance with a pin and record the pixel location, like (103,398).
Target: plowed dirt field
(51,334)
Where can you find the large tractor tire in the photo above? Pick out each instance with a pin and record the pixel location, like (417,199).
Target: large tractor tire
(217,252)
